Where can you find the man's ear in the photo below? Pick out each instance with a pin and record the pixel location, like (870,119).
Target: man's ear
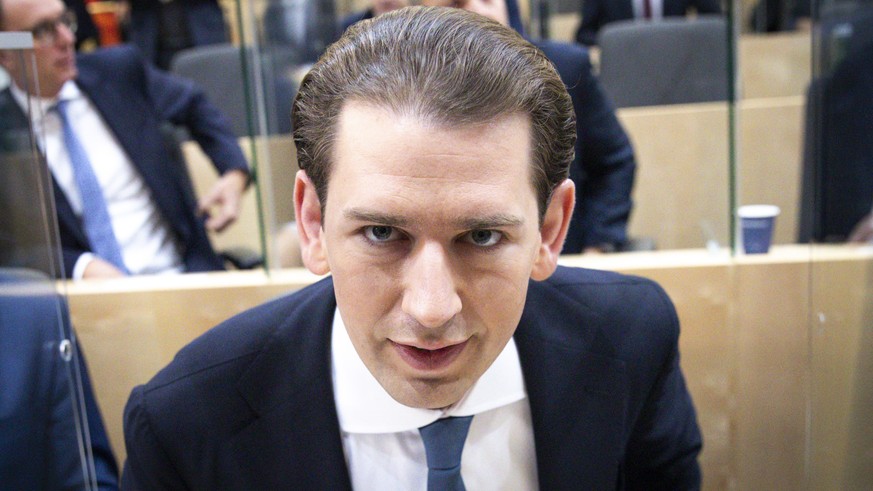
(554,230)
(307,209)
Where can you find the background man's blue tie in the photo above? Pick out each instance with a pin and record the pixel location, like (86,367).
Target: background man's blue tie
(443,445)
(95,215)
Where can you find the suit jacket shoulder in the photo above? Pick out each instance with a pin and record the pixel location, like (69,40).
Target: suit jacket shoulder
(604,167)
(599,353)
(245,406)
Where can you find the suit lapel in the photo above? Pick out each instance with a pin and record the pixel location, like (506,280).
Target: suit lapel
(17,124)
(289,389)
(134,126)
(119,110)
(67,218)
(576,393)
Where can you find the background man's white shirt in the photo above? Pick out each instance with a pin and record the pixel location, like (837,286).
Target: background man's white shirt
(146,241)
(657,7)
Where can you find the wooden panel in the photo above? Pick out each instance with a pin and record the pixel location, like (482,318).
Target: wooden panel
(132,327)
(841,438)
(681,193)
(766,385)
(775,65)
(770,302)
(563,26)
(771,143)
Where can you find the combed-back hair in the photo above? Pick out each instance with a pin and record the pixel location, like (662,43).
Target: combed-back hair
(444,66)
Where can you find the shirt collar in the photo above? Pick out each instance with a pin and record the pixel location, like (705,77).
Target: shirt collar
(364,406)
(40,106)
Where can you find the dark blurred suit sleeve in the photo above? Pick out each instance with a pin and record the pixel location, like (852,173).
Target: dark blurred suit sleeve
(591,22)
(39,436)
(604,167)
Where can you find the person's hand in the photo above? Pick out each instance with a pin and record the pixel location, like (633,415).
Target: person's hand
(863,231)
(98,268)
(222,203)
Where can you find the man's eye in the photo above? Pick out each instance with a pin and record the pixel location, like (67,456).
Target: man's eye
(380,233)
(42,29)
(484,238)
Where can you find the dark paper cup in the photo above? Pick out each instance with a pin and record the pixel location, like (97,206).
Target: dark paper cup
(756,224)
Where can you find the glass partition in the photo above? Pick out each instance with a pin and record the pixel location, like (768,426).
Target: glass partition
(837,201)
(682,194)
(44,413)
(797,343)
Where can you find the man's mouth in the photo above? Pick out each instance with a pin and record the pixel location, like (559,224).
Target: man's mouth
(429,359)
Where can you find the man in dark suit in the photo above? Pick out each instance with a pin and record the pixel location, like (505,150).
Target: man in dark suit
(598,13)
(119,108)
(434,147)
(162,28)
(43,442)
(837,185)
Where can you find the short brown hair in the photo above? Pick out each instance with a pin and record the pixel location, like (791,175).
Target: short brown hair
(446,66)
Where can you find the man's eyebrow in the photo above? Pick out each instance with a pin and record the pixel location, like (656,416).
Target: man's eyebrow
(361,215)
(498,220)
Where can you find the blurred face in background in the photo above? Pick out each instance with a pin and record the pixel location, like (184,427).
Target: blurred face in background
(53,44)
(382,6)
(493,9)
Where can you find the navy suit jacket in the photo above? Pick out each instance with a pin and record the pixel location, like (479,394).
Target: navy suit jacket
(250,404)
(39,442)
(137,102)
(597,13)
(604,166)
(204,19)
(837,186)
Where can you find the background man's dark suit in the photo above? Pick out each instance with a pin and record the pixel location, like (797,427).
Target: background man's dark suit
(203,21)
(597,13)
(39,446)
(604,167)
(837,187)
(249,405)
(136,101)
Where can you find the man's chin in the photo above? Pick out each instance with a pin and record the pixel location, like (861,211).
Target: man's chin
(428,394)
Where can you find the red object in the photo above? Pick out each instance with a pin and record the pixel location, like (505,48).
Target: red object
(105,17)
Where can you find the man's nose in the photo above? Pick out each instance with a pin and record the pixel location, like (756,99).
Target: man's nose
(64,35)
(430,288)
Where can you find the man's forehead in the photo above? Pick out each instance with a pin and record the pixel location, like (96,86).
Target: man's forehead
(404,159)
(22,14)
(363,126)
(432,119)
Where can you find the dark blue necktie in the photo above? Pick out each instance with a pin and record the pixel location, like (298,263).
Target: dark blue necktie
(95,214)
(443,445)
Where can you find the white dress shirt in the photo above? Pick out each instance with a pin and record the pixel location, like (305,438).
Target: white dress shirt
(384,450)
(656,5)
(147,243)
